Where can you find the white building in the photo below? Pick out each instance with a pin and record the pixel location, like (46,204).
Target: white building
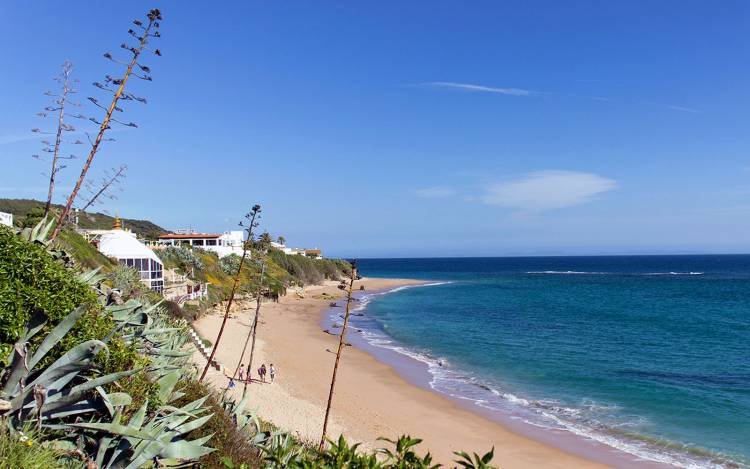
(125,247)
(230,242)
(6,219)
(313,253)
(282,248)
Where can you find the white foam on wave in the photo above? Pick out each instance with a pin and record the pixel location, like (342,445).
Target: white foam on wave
(577,272)
(674,273)
(545,414)
(565,272)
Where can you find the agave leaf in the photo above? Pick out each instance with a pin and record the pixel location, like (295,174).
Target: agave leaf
(169,353)
(119,399)
(81,407)
(43,232)
(145,454)
(91,277)
(34,234)
(186,449)
(19,355)
(167,384)
(36,322)
(176,410)
(54,389)
(136,421)
(18,367)
(78,392)
(240,407)
(57,334)
(105,400)
(116,429)
(193,424)
(76,358)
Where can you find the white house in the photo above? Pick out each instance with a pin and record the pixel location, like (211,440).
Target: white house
(230,242)
(313,253)
(6,219)
(281,247)
(125,247)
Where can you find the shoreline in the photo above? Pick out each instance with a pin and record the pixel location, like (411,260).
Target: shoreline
(376,396)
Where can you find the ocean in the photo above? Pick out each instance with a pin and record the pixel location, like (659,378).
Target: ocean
(648,354)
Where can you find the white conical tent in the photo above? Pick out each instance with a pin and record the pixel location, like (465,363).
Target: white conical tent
(124,245)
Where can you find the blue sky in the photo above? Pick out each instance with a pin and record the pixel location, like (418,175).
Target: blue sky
(413,128)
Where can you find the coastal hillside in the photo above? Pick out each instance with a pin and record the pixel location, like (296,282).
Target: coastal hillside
(27,212)
(130,396)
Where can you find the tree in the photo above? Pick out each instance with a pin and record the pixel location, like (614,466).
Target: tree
(281,240)
(348,288)
(143,35)
(58,105)
(253,216)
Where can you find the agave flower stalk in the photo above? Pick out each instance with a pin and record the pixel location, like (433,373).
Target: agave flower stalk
(254,329)
(107,182)
(252,216)
(349,289)
(154,18)
(67,68)
(250,334)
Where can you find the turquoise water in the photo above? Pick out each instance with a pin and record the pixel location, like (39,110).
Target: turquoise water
(650,354)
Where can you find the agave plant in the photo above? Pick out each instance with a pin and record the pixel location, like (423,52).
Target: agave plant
(158,438)
(59,390)
(39,234)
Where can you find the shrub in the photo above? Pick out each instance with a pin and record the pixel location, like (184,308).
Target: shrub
(127,280)
(30,281)
(180,257)
(230,264)
(232,446)
(306,271)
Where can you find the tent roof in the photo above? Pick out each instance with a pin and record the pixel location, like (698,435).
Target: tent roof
(124,245)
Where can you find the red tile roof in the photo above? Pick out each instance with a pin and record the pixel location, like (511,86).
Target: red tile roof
(189,236)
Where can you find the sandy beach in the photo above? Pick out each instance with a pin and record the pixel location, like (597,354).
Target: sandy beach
(370,400)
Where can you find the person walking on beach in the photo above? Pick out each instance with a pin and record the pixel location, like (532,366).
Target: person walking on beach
(242,372)
(262,372)
(272,372)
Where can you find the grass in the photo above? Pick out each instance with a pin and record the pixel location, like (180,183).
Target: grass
(26,450)
(84,252)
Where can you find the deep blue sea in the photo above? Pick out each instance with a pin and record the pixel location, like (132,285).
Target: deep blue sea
(650,354)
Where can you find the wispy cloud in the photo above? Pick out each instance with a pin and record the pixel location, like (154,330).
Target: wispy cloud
(547,190)
(478,88)
(682,108)
(438,192)
(8,139)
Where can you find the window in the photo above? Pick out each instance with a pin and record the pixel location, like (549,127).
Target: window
(129,262)
(210,242)
(197,242)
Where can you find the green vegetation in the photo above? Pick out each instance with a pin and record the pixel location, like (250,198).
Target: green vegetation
(127,280)
(28,212)
(282,271)
(34,283)
(112,382)
(306,271)
(83,252)
(25,449)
